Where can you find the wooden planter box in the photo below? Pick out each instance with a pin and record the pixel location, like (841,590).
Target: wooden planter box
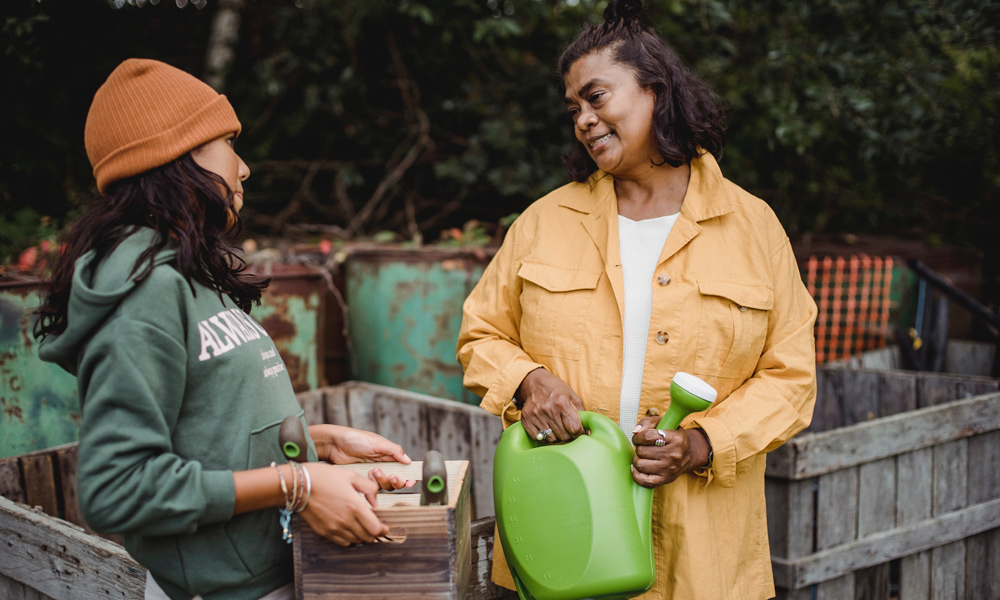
(894,492)
(428,556)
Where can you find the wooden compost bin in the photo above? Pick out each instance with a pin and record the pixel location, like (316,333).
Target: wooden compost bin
(47,553)
(893,492)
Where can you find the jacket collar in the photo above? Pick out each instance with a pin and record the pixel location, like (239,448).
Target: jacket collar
(707,196)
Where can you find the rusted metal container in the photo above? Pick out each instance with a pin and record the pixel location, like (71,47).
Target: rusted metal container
(39,407)
(405,314)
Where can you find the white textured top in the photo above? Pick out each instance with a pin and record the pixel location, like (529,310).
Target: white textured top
(640,244)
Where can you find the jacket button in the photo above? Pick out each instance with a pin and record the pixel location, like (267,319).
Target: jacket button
(662,337)
(743,309)
(663,279)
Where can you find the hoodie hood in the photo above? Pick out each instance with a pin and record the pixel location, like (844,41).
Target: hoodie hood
(98,288)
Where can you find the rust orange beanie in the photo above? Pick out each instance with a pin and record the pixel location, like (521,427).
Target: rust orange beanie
(149,113)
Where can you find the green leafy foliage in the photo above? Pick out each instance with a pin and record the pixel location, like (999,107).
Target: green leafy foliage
(418,117)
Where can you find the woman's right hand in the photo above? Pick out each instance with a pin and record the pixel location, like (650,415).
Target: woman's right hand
(337,511)
(549,403)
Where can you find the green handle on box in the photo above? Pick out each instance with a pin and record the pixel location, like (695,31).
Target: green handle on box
(434,482)
(292,437)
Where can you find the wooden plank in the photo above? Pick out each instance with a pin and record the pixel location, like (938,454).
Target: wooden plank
(481,586)
(790,511)
(40,482)
(970,358)
(897,393)
(934,389)
(62,561)
(335,406)
(860,399)
(915,576)
(66,464)
(449,432)
(948,570)
(950,494)
(361,407)
(876,497)
(976,386)
(883,359)
(915,476)
(312,403)
(828,412)
(836,509)
(486,432)
(982,567)
(11,484)
(836,589)
(15,590)
(902,541)
(984,467)
(950,477)
(815,454)
(872,583)
(400,421)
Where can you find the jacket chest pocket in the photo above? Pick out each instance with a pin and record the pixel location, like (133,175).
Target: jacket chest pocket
(555,303)
(732,327)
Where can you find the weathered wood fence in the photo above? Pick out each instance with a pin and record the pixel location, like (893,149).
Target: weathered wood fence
(894,491)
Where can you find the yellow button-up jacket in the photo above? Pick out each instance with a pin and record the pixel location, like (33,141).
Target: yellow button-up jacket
(728,306)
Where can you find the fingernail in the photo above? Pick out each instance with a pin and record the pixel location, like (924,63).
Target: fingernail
(406,457)
(393,479)
(377,472)
(636,428)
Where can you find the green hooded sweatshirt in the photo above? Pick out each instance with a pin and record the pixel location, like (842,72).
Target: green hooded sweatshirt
(179,388)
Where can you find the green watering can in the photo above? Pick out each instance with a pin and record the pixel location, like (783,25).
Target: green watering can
(573,523)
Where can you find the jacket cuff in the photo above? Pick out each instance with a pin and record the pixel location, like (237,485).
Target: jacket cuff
(723,443)
(499,399)
(220,494)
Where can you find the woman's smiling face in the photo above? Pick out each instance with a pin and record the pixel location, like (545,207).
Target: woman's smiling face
(612,115)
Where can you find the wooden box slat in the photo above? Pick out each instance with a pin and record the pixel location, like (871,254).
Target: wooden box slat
(431,559)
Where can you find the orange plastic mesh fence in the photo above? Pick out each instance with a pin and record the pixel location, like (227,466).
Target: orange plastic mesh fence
(852,295)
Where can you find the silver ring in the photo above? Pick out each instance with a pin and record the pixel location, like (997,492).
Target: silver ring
(660,442)
(543,434)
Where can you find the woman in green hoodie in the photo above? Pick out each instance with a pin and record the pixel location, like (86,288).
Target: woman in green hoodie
(182,392)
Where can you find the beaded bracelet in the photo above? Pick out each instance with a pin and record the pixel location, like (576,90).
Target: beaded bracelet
(286,513)
(308,492)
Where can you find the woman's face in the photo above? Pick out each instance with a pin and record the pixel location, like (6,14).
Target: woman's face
(612,115)
(219,157)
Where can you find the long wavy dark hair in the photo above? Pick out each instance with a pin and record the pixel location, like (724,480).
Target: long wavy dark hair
(182,202)
(688,117)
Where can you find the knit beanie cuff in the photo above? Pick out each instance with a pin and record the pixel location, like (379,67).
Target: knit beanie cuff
(214,120)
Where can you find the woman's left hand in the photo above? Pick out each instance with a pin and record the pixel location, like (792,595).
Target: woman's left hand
(683,451)
(388,481)
(342,445)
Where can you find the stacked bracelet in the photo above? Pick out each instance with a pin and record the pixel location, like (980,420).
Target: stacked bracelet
(296,498)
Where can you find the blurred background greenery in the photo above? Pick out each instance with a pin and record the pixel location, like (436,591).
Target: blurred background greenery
(408,119)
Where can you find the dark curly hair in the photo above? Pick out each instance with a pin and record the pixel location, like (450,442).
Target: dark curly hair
(182,202)
(688,117)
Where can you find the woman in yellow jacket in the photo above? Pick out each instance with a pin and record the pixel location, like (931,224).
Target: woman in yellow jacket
(650,263)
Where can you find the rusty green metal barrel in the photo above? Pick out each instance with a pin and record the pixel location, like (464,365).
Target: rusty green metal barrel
(405,311)
(39,407)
